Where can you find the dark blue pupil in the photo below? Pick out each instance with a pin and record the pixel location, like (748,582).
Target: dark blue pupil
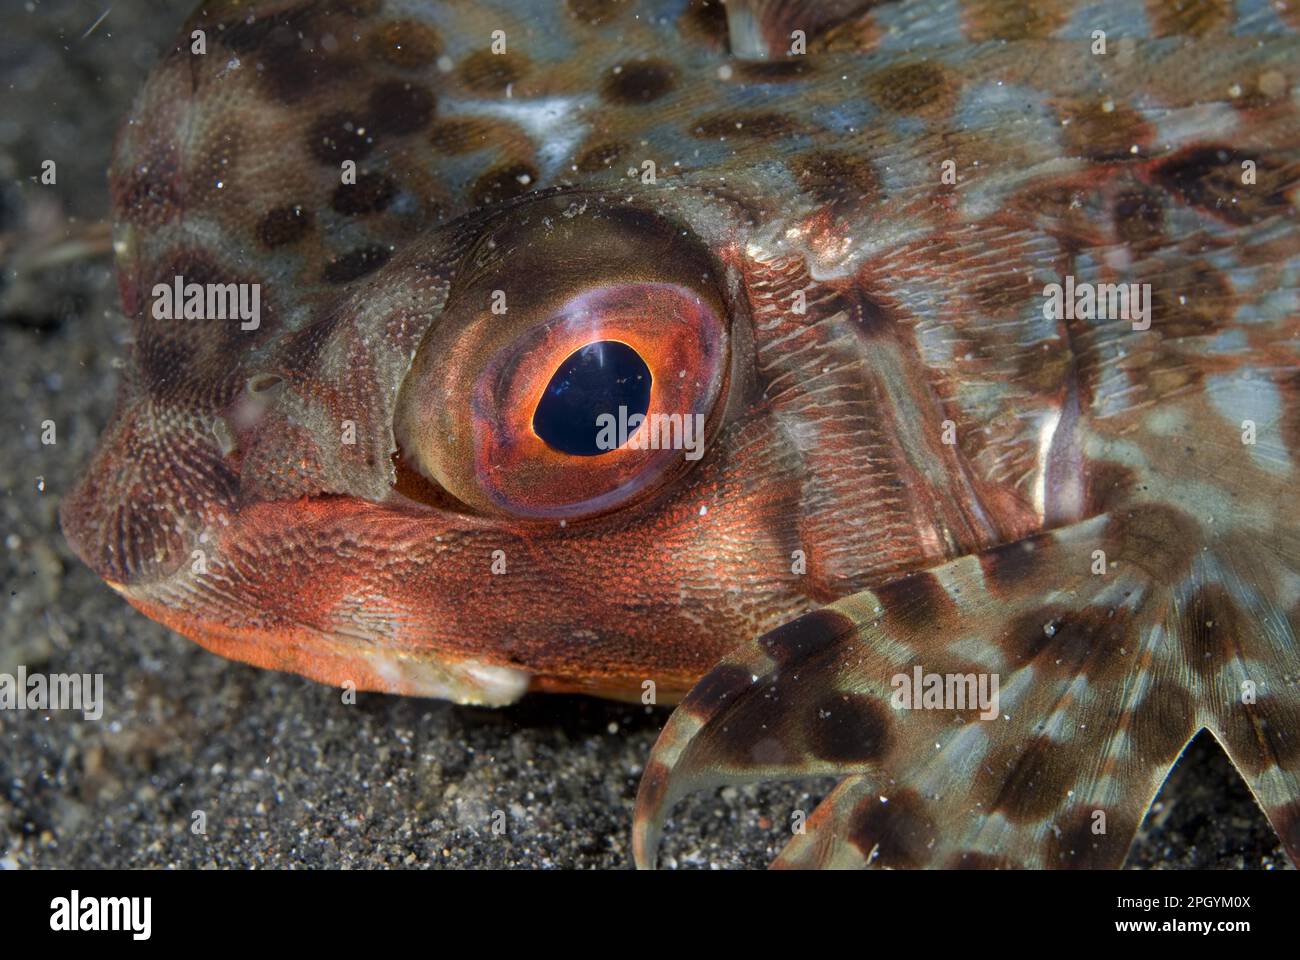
(594,380)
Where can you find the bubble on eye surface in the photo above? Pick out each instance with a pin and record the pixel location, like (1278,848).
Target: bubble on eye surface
(603,379)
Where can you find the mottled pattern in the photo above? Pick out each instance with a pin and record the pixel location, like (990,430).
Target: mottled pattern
(947,459)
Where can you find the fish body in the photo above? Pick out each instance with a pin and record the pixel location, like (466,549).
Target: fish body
(987,318)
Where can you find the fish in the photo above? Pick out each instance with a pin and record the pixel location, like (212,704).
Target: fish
(908,392)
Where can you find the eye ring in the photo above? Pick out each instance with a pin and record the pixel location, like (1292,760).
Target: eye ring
(533,296)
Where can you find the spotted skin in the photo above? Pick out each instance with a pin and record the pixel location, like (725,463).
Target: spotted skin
(943,460)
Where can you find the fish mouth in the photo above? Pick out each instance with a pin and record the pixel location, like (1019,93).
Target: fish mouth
(339,661)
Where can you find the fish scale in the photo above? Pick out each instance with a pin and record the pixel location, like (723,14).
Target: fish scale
(918,467)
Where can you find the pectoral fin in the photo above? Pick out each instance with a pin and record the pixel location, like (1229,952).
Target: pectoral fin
(1094,704)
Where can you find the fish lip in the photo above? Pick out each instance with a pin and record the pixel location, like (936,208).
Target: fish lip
(333,661)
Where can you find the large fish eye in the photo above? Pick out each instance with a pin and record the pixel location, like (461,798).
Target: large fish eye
(577,369)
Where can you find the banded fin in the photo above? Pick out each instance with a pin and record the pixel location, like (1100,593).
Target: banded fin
(1097,701)
(1240,631)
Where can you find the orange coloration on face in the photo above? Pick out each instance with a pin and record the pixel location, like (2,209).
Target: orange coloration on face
(291,586)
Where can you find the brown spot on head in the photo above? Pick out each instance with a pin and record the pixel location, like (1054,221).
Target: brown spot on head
(1139,215)
(923,88)
(805,636)
(639,81)
(595,13)
(490,73)
(456,136)
(1271,86)
(1103,129)
(1016,19)
(245,35)
(1211,178)
(848,728)
(303,347)
(190,360)
(163,362)
(287,67)
(148,194)
(356,264)
(599,156)
(1193,300)
(397,107)
(405,43)
(830,176)
(751,125)
(1193,18)
(504,183)
(291,76)
(775,71)
(370,194)
(895,827)
(339,137)
(284,225)
(705,21)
